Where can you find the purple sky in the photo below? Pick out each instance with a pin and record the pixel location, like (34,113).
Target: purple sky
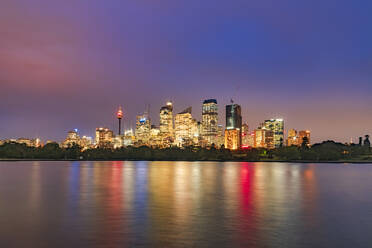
(70,64)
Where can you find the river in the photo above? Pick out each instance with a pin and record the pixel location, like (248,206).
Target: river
(185,204)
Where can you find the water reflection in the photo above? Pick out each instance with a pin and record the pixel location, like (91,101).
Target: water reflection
(174,204)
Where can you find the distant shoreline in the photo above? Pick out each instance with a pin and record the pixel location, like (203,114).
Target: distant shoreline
(131,160)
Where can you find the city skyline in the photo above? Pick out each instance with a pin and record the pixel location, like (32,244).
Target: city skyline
(130,125)
(66,66)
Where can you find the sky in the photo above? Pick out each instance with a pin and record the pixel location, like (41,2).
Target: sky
(70,64)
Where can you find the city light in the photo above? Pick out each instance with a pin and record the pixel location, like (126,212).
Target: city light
(183,130)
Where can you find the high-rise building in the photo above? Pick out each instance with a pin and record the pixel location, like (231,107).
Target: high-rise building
(143,130)
(264,138)
(233,137)
(292,139)
(250,139)
(186,129)
(104,137)
(72,138)
(245,135)
(86,142)
(210,121)
(277,126)
(233,117)
(302,135)
(129,137)
(155,137)
(220,137)
(166,121)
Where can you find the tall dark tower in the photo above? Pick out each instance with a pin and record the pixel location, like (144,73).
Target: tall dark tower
(233,137)
(233,116)
(119,115)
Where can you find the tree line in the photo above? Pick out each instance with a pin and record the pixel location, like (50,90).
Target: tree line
(325,151)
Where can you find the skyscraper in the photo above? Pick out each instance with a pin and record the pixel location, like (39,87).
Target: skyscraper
(166,123)
(233,138)
(104,138)
(233,117)
(263,138)
(277,126)
(245,135)
(220,137)
(210,121)
(292,139)
(71,139)
(186,129)
(143,129)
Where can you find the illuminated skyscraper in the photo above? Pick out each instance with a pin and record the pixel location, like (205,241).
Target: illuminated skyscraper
(220,137)
(210,121)
(186,129)
(277,126)
(129,137)
(292,139)
(245,135)
(166,123)
(233,137)
(263,138)
(233,117)
(86,142)
(155,138)
(104,137)
(143,130)
(71,139)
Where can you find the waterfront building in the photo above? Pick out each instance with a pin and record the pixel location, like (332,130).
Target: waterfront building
(129,138)
(166,124)
(233,117)
(143,130)
(86,142)
(296,138)
(245,135)
(210,121)
(292,139)
(277,126)
(72,139)
(155,137)
(233,127)
(220,137)
(250,139)
(104,137)
(118,141)
(232,139)
(29,142)
(264,138)
(186,129)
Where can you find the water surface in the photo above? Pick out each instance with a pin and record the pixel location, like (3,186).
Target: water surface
(185,204)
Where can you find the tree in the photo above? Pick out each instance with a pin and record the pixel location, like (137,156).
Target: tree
(366,142)
(305,142)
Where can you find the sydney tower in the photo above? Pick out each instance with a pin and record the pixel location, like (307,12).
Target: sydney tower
(119,115)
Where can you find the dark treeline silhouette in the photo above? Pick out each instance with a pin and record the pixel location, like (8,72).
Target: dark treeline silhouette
(326,151)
